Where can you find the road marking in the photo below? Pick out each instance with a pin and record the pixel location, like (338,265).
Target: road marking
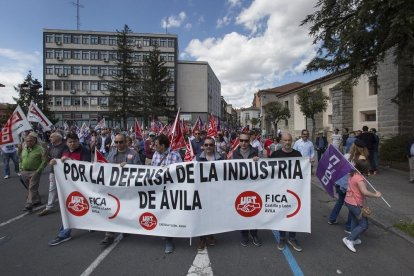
(102,256)
(289,257)
(21,216)
(201,265)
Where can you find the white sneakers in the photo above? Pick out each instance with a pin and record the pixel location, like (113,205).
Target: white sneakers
(349,244)
(6,177)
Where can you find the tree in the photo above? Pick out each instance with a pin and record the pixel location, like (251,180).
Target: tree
(254,121)
(276,112)
(357,34)
(28,91)
(156,82)
(312,103)
(124,92)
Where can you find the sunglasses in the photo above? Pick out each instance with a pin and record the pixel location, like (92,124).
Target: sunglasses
(118,142)
(244,140)
(196,133)
(209,145)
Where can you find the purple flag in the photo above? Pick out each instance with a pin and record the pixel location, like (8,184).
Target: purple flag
(331,168)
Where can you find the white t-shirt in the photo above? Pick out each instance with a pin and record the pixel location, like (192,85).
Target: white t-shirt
(336,140)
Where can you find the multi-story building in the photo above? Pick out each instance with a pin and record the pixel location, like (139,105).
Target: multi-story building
(198,90)
(78,65)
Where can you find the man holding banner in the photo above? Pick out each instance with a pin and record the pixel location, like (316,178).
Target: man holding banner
(163,156)
(287,151)
(246,151)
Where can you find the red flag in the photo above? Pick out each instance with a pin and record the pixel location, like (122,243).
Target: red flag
(176,136)
(99,157)
(189,152)
(234,146)
(138,130)
(245,129)
(154,127)
(212,128)
(184,127)
(197,125)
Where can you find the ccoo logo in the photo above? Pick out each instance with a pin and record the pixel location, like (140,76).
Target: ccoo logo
(248,204)
(148,221)
(77,204)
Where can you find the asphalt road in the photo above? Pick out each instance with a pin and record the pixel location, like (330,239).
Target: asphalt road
(24,249)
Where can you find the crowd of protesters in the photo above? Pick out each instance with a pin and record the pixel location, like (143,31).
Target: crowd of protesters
(150,148)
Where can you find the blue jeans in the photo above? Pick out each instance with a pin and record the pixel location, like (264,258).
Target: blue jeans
(6,160)
(64,233)
(337,208)
(358,226)
(292,235)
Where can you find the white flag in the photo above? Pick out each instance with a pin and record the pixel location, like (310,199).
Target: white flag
(36,115)
(16,124)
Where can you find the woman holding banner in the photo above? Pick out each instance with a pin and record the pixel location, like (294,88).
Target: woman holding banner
(354,200)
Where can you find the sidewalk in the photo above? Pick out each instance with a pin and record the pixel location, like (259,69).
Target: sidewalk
(398,192)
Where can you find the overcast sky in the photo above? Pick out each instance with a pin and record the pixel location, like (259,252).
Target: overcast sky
(250,45)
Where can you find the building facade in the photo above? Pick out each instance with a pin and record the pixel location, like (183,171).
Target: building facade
(198,90)
(78,65)
(248,116)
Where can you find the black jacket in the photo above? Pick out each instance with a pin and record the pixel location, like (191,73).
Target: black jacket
(253,152)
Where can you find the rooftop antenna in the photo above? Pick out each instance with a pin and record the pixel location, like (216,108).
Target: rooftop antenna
(77,13)
(166,25)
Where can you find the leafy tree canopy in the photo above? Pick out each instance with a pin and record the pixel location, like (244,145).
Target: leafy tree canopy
(356,34)
(275,111)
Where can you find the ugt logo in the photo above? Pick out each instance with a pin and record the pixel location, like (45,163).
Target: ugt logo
(148,221)
(248,204)
(77,204)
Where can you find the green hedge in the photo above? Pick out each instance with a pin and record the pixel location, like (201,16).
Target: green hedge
(393,149)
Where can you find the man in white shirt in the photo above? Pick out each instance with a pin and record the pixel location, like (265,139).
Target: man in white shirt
(256,143)
(336,139)
(305,146)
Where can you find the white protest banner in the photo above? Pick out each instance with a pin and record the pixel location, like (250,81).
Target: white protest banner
(36,115)
(186,199)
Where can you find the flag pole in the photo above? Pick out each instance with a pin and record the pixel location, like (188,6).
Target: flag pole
(366,180)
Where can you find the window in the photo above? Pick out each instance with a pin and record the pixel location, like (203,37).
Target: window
(58,101)
(85,85)
(94,71)
(85,55)
(85,70)
(146,42)
(66,70)
(58,70)
(66,39)
(163,43)
(103,71)
(368,116)
(58,54)
(76,101)
(137,57)
(112,56)
(66,101)
(287,104)
(49,38)
(163,57)
(76,70)
(112,71)
(76,39)
(58,85)
(286,123)
(104,86)
(94,40)
(66,85)
(155,42)
(94,86)
(49,70)
(104,40)
(94,55)
(85,39)
(76,85)
(171,58)
(373,86)
(170,43)
(66,54)
(85,101)
(104,55)
(112,40)
(94,100)
(58,39)
(76,55)
(49,54)
(172,87)
(103,101)
(50,101)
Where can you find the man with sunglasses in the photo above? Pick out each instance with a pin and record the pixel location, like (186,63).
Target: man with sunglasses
(121,155)
(246,151)
(209,154)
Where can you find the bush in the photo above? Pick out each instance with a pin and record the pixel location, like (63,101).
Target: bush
(393,149)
